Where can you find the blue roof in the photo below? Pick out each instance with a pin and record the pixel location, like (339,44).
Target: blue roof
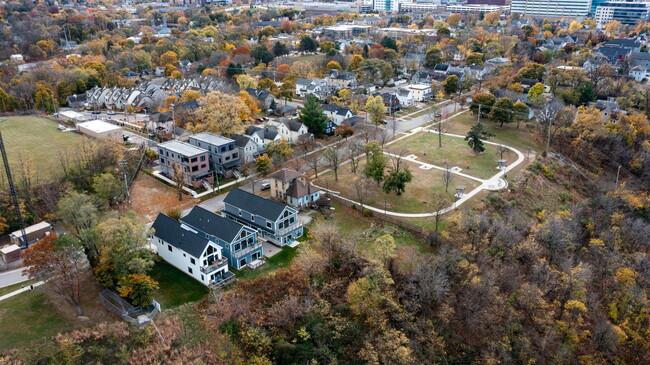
(212,224)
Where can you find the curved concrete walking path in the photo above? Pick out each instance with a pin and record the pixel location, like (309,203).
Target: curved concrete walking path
(493,184)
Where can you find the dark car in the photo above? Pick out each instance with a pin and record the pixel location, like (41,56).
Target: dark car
(95,112)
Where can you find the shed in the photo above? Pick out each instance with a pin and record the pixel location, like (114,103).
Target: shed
(10,253)
(100,129)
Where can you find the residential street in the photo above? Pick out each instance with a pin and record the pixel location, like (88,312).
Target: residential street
(12,277)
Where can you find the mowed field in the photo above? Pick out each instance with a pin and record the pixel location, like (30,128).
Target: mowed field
(37,141)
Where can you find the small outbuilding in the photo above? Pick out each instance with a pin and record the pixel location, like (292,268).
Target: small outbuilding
(10,253)
(100,129)
(34,233)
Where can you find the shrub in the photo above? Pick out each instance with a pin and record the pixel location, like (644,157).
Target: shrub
(367,212)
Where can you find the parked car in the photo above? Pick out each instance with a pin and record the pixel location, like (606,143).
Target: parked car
(266,186)
(439,115)
(111,112)
(55,114)
(95,112)
(261,120)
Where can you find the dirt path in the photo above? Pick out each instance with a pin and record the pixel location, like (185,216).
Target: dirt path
(150,197)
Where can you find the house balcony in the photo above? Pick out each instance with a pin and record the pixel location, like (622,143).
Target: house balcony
(284,232)
(225,279)
(216,265)
(247,250)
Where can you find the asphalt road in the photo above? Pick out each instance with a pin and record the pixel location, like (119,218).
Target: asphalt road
(12,277)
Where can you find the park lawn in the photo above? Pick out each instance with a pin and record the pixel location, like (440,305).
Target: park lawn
(521,138)
(352,224)
(11,288)
(28,318)
(176,287)
(37,140)
(454,151)
(414,200)
(277,261)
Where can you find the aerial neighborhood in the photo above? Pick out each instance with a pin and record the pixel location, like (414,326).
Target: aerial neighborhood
(325,182)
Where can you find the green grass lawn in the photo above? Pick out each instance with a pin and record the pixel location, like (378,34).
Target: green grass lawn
(37,140)
(28,318)
(454,151)
(277,261)
(11,288)
(414,200)
(352,224)
(176,287)
(520,138)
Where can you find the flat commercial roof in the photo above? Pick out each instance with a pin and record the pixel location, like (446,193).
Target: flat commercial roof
(33,228)
(72,114)
(99,126)
(182,148)
(213,139)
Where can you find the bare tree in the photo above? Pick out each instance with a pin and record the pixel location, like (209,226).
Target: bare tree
(333,157)
(313,160)
(501,150)
(179,179)
(439,201)
(447,176)
(546,115)
(362,189)
(393,125)
(355,149)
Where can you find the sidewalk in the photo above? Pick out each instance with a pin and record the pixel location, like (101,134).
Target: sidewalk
(21,290)
(194,194)
(494,183)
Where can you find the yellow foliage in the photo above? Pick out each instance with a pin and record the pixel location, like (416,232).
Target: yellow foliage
(625,276)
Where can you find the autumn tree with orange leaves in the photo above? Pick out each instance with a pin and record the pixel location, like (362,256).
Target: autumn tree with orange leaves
(62,263)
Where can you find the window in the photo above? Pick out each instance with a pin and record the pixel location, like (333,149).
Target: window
(193,159)
(291,220)
(234,156)
(240,212)
(242,262)
(184,255)
(269,225)
(170,248)
(189,269)
(252,218)
(195,168)
(162,160)
(192,261)
(202,166)
(237,246)
(202,278)
(227,158)
(203,158)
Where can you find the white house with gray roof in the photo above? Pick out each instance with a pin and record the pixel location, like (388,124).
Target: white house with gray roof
(184,248)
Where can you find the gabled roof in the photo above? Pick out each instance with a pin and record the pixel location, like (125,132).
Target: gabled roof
(303,82)
(286,175)
(160,117)
(252,203)
(258,94)
(212,224)
(241,140)
(442,67)
(300,188)
(179,235)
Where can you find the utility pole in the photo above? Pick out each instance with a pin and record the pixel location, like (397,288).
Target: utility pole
(122,164)
(12,190)
(618,174)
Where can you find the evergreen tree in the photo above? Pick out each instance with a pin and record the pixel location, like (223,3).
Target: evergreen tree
(308,44)
(313,117)
(262,55)
(365,51)
(280,49)
(389,42)
(473,138)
